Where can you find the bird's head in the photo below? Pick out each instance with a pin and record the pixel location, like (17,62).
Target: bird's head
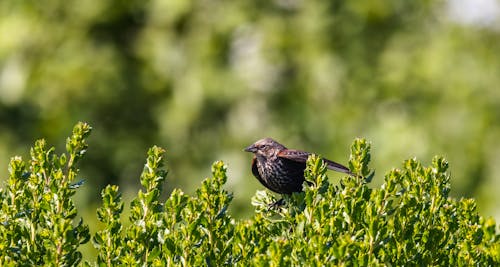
(265,148)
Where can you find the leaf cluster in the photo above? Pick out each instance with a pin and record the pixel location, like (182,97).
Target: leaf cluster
(37,215)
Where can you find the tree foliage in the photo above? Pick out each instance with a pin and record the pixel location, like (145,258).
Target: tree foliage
(410,218)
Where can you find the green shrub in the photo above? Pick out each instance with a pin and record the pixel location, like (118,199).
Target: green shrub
(37,214)
(409,220)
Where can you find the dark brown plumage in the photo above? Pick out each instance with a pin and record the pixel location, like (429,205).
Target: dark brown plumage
(281,170)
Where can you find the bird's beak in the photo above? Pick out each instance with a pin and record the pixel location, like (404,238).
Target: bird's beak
(251,148)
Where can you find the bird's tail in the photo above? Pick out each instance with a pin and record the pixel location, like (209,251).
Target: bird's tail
(337,167)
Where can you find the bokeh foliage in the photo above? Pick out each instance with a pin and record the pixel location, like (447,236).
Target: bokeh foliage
(206,78)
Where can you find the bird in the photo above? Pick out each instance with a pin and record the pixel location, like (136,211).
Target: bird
(280,169)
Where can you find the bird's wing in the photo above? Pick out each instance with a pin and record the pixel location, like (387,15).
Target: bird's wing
(301,156)
(294,155)
(256,173)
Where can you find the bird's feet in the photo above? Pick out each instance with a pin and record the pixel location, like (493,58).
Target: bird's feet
(276,204)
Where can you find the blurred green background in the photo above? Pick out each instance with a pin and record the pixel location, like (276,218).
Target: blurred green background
(206,78)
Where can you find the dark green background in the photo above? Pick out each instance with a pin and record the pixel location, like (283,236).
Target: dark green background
(206,78)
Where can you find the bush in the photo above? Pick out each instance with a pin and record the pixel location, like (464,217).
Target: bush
(410,219)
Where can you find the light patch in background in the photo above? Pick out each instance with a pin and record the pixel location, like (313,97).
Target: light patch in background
(482,13)
(12,81)
(248,62)
(248,118)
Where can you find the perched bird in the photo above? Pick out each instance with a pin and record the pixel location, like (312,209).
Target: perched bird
(281,170)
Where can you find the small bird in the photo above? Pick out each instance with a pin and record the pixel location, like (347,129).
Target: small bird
(281,170)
